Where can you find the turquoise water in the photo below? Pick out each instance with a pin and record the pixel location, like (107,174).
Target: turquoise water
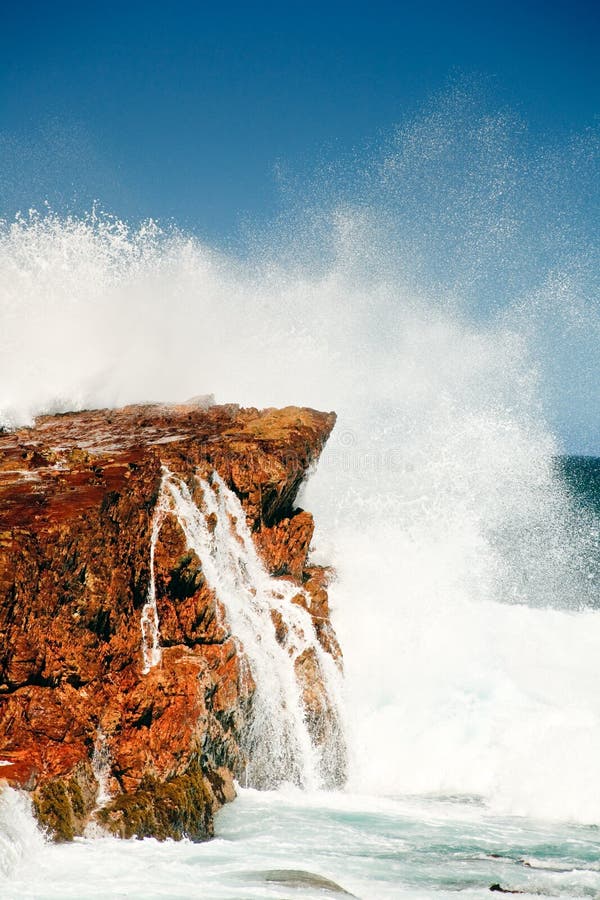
(271,845)
(581,474)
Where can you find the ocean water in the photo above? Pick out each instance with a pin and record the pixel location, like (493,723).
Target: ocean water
(293,844)
(582,476)
(442,297)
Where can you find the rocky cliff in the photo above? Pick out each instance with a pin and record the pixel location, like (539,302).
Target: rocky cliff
(125,697)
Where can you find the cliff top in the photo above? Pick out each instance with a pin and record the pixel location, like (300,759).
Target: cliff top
(99,431)
(71,457)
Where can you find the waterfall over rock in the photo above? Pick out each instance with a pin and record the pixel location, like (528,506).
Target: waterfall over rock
(271,623)
(162,629)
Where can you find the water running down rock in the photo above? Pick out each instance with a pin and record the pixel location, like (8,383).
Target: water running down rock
(158,611)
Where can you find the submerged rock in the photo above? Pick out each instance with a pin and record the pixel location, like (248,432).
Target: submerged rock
(298,878)
(110,634)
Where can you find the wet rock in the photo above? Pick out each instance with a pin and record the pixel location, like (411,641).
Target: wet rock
(298,878)
(77,497)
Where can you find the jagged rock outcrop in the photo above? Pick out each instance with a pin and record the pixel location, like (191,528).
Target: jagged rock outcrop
(79,714)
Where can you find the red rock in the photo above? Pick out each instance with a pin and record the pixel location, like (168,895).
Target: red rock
(77,496)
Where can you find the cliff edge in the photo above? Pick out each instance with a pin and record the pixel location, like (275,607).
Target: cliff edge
(153,576)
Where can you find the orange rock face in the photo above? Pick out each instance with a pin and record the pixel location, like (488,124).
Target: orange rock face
(78,494)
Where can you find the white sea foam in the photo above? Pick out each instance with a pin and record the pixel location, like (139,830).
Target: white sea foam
(377,849)
(20,840)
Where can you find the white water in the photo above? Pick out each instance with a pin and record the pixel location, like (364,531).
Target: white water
(20,840)
(101,763)
(279,747)
(376,848)
(448,310)
(149,624)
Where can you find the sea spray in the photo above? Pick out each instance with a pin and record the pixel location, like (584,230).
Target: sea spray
(445,305)
(20,839)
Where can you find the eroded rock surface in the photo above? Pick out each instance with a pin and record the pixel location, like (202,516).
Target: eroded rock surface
(79,718)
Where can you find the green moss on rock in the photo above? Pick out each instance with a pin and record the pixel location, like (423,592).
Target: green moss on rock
(54,810)
(63,806)
(180,807)
(76,797)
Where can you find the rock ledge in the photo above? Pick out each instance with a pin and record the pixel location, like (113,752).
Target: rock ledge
(82,726)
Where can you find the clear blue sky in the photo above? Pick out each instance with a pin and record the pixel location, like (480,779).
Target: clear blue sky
(184,110)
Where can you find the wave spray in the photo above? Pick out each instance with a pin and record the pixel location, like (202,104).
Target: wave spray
(437,305)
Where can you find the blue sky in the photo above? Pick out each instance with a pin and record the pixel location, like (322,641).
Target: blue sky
(225,118)
(187,111)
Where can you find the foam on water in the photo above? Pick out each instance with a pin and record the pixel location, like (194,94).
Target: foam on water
(20,840)
(274,844)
